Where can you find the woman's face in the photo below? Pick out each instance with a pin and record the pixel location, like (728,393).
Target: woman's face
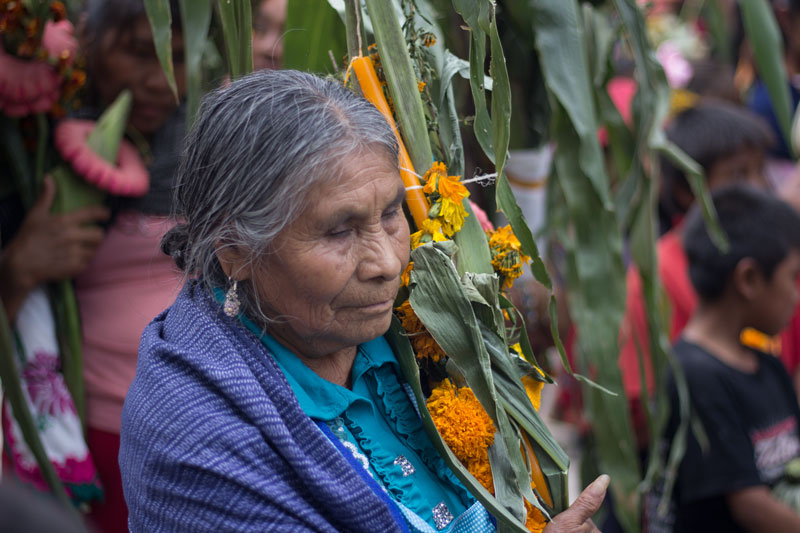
(332,276)
(127,60)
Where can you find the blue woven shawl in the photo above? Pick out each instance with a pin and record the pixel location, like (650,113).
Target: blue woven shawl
(214,440)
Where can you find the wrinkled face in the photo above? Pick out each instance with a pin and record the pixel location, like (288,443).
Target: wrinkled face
(745,167)
(333,274)
(127,60)
(777,300)
(268,24)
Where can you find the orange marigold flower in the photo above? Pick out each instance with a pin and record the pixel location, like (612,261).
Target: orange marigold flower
(431,177)
(428,40)
(405,277)
(425,347)
(535,521)
(462,422)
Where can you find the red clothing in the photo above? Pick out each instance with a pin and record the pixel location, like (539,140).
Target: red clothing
(673,269)
(110,516)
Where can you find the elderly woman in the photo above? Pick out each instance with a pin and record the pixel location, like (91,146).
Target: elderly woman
(266,397)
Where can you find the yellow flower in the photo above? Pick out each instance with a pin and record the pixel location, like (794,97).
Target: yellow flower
(462,422)
(533,387)
(421,86)
(507,256)
(431,230)
(452,215)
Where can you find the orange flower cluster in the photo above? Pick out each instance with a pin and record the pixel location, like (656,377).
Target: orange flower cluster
(425,347)
(507,256)
(468,432)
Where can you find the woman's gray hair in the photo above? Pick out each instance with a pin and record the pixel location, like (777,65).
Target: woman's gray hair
(258,147)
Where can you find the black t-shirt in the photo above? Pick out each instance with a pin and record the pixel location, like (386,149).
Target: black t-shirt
(752,422)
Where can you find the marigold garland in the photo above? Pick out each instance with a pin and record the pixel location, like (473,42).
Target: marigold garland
(468,432)
(462,422)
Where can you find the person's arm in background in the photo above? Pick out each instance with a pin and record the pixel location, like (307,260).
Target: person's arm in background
(756,509)
(577,518)
(47,247)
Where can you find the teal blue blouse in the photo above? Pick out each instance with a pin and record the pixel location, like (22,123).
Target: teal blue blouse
(378,422)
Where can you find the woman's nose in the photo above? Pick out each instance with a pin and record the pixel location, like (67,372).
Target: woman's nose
(380,258)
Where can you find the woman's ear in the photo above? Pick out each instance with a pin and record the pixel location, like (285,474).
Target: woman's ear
(747,278)
(234,261)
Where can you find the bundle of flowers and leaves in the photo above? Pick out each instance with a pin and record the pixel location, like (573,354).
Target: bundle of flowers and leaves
(461,344)
(468,346)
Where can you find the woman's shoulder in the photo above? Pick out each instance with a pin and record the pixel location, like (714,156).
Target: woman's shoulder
(193,358)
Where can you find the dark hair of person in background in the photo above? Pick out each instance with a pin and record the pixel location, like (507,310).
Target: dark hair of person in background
(729,143)
(769,232)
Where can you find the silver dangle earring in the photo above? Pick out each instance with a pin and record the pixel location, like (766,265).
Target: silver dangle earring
(232,304)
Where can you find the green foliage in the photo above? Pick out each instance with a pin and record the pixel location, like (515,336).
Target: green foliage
(237,27)
(160,17)
(195,21)
(402,81)
(767,45)
(313,28)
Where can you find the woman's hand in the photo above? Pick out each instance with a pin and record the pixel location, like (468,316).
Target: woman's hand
(48,247)
(578,516)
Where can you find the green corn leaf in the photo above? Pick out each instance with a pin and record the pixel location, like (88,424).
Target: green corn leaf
(767,45)
(501,98)
(313,29)
(160,17)
(402,82)
(596,279)
(195,20)
(237,28)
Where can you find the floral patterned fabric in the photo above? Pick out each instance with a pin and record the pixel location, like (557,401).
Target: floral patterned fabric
(51,406)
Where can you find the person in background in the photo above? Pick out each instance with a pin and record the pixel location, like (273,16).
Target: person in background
(128,280)
(269,21)
(729,143)
(121,278)
(743,397)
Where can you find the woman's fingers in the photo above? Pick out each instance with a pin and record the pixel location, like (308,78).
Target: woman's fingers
(577,518)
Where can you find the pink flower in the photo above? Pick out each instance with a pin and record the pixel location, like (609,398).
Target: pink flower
(46,387)
(33,86)
(482,217)
(676,67)
(26,86)
(58,40)
(128,178)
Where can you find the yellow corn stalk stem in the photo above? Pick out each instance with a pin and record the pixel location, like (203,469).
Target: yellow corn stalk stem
(536,474)
(371,87)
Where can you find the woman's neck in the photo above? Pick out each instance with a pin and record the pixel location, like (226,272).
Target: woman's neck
(335,367)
